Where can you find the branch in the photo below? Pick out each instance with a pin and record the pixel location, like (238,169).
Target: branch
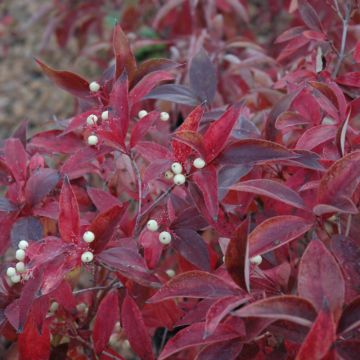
(139,188)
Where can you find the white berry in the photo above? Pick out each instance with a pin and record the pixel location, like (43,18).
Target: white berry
(20,267)
(176,168)
(165,237)
(117,326)
(87,257)
(179,179)
(199,163)
(10,271)
(16,278)
(170,272)
(164,116)
(91,119)
(142,113)
(94,86)
(23,244)
(92,140)
(152,225)
(256,260)
(105,115)
(20,254)
(169,174)
(54,306)
(88,236)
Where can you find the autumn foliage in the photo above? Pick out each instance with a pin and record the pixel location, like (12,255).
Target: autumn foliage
(252,182)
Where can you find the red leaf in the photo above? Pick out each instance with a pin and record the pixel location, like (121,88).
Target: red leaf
(272,189)
(206,180)
(285,307)
(32,345)
(146,84)
(219,131)
(292,47)
(349,79)
(142,127)
(119,104)
(237,257)
(69,218)
(6,176)
(338,184)
(275,232)
(316,136)
(40,184)
(124,58)
(104,227)
(193,336)
(106,317)
(16,158)
(350,318)
(356,53)
(348,349)
(219,310)
(227,350)
(135,329)
(319,339)
(102,199)
(195,284)
(320,278)
(66,80)
(309,16)
(192,139)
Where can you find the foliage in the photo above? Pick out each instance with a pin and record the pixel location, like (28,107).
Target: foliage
(261,248)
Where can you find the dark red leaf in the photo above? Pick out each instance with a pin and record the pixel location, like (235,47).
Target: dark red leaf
(284,307)
(195,284)
(135,329)
(6,176)
(142,127)
(193,336)
(348,349)
(275,232)
(292,47)
(349,79)
(26,228)
(227,350)
(66,80)
(102,199)
(309,16)
(69,218)
(106,317)
(176,93)
(350,318)
(315,136)
(319,339)
(237,257)
(320,278)
(16,158)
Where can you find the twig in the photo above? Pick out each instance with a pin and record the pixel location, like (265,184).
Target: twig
(139,186)
(96,288)
(345,22)
(163,339)
(348,225)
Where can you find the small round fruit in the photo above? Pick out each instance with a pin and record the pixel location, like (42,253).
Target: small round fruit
(87,257)
(23,244)
(256,260)
(20,254)
(20,267)
(176,168)
(142,113)
(179,179)
(94,86)
(54,307)
(105,115)
(92,140)
(10,271)
(16,278)
(199,163)
(88,236)
(169,174)
(164,116)
(92,119)
(170,272)
(152,225)
(165,237)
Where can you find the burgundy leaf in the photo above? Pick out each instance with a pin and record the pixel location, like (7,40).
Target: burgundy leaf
(102,199)
(309,16)
(237,257)
(227,350)
(66,80)
(40,184)
(219,131)
(106,317)
(104,227)
(275,232)
(320,278)
(135,329)
(348,349)
(192,139)
(6,176)
(202,74)
(319,339)
(349,79)
(16,158)
(6,205)
(219,310)
(206,181)
(350,318)
(192,247)
(272,189)
(284,307)
(26,228)
(193,336)
(124,58)
(316,136)
(292,47)
(142,127)
(195,284)
(69,218)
